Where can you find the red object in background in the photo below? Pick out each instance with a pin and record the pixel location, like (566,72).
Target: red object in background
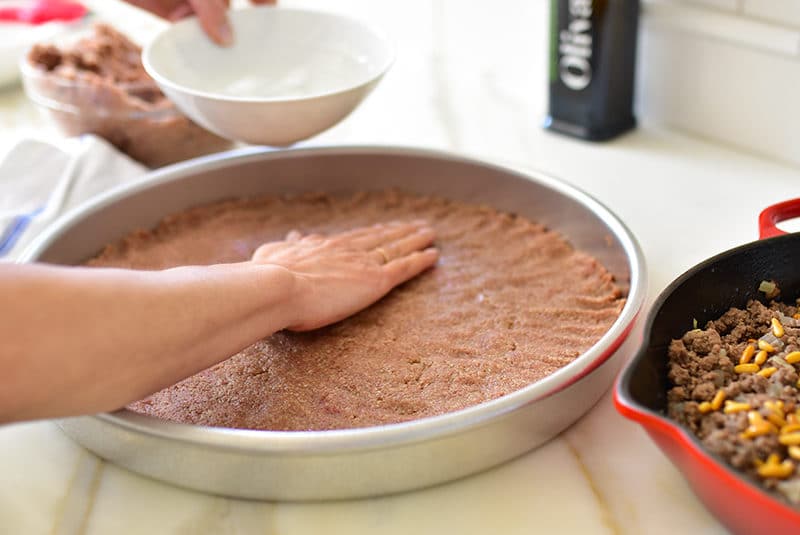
(640,392)
(42,11)
(772,215)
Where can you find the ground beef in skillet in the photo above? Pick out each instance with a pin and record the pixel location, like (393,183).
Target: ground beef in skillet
(756,417)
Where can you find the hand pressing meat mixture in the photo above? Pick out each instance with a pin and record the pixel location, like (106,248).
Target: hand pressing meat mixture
(83,340)
(512,303)
(211,14)
(334,277)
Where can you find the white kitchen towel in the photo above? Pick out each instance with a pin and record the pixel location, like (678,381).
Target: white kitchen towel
(40,181)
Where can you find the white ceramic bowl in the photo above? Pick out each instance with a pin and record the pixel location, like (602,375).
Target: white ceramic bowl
(289,75)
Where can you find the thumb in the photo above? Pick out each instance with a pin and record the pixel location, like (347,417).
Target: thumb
(214,20)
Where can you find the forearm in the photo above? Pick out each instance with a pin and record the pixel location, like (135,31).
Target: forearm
(84,340)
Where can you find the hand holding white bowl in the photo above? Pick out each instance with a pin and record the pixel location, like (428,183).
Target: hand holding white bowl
(211,13)
(289,74)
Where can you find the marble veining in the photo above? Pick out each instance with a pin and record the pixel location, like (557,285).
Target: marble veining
(606,516)
(471,77)
(77,504)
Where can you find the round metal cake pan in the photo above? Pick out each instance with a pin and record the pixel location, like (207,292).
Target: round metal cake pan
(341,464)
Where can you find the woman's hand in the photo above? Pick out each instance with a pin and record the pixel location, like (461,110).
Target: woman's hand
(79,340)
(212,14)
(339,275)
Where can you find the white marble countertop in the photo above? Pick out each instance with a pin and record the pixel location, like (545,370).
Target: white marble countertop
(470,77)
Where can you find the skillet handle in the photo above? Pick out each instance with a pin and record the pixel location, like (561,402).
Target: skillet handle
(771,215)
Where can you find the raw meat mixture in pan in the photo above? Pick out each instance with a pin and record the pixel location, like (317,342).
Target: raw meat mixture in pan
(509,303)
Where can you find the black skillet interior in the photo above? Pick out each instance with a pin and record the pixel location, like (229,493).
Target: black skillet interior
(704,293)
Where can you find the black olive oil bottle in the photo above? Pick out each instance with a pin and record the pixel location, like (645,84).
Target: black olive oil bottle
(592,59)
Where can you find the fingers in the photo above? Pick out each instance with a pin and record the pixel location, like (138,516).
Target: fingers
(420,239)
(407,267)
(382,234)
(366,236)
(214,20)
(211,13)
(383,243)
(181,11)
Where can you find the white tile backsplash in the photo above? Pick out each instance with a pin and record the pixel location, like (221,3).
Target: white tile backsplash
(752,33)
(726,76)
(729,5)
(721,90)
(784,12)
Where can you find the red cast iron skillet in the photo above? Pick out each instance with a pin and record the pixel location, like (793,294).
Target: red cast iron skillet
(704,293)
